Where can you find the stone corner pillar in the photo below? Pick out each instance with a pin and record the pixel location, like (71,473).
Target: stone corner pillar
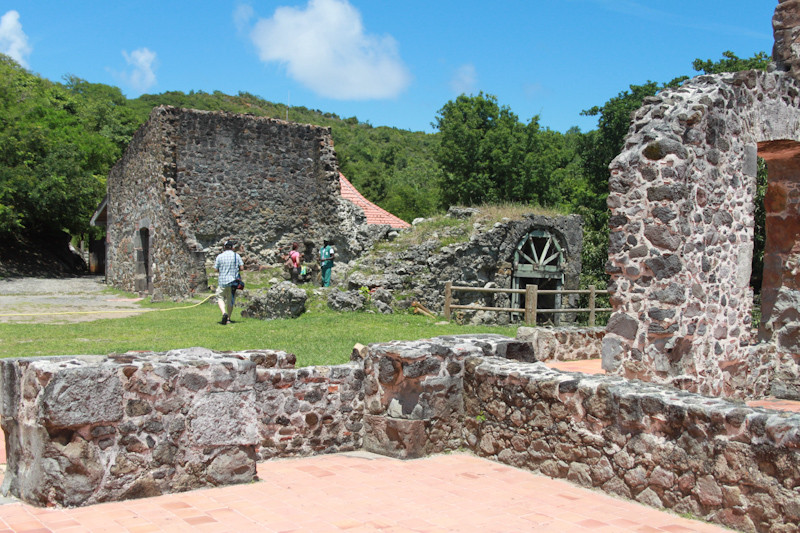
(786,50)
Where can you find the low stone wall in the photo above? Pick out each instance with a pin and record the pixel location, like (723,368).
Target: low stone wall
(307,411)
(715,459)
(563,344)
(83,430)
(414,391)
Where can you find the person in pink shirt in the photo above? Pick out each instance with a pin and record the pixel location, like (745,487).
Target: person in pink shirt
(294,257)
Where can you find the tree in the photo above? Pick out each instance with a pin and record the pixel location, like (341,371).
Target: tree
(731,63)
(482,146)
(53,161)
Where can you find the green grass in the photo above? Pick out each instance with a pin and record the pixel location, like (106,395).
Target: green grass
(316,338)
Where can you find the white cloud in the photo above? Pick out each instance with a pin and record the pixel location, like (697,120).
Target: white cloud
(533,90)
(465,79)
(13,41)
(140,76)
(242,16)
(324,47)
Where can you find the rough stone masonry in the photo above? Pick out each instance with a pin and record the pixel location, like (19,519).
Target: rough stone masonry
(681,232)
(83,430)
(189,180)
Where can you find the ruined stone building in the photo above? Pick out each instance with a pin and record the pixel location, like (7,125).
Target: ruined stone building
(190,180)
(532,250)
(681,241)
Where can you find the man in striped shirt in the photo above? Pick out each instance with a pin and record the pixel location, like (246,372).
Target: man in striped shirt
(228,264)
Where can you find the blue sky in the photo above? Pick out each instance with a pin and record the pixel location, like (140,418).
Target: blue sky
(388,63)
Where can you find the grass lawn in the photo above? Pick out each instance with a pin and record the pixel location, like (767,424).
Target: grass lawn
(316,338)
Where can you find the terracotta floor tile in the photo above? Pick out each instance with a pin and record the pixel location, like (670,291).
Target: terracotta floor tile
(676,528)
(363,492)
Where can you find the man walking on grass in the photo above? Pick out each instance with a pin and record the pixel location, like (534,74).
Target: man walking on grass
(228,264)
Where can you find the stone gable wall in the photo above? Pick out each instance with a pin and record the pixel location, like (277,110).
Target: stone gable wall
(139,198)
(195,179)
(259,179)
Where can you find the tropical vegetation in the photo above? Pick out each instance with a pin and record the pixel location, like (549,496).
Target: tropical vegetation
(58,141)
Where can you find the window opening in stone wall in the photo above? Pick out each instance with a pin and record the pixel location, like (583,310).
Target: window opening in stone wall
(759,240)
(539,260)
(143,281)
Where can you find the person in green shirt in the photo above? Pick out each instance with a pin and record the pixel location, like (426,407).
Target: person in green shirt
(326,255)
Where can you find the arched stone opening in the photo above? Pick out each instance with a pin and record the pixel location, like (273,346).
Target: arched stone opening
(539,260)
(144,279)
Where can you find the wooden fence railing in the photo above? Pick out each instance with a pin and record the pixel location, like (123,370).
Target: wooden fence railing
(531,293)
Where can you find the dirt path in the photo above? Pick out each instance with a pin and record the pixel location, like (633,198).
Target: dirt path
(62,300)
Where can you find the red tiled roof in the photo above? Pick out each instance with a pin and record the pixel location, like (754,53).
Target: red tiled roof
(375,215)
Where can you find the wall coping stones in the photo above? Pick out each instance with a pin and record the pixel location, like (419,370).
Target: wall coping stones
(714,458)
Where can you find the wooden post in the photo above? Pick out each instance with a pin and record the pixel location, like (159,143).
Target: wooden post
(531,294)
(448,299)
(591,306)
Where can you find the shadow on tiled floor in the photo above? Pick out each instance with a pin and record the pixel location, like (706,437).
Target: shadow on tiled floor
(361,492)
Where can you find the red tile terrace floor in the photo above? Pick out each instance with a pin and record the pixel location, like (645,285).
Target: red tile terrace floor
(359,492)
(363,492)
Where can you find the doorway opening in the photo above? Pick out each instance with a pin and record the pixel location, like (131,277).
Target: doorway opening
(539,260)
(775,243)
(143,281)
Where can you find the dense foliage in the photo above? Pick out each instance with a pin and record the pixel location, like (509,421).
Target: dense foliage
(56,147)
(486,154)
(59,140)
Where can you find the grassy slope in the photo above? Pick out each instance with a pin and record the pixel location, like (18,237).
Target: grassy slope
(316,338)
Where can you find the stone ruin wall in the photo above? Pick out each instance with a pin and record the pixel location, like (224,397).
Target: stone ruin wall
(718,460)
(681,241)
(168,422)
(261,180)
(136,189)
(681,232)
(485,260)
(84,430)
(563,343)
(198,178)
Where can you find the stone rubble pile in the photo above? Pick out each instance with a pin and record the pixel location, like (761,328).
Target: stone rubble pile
(283,300)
